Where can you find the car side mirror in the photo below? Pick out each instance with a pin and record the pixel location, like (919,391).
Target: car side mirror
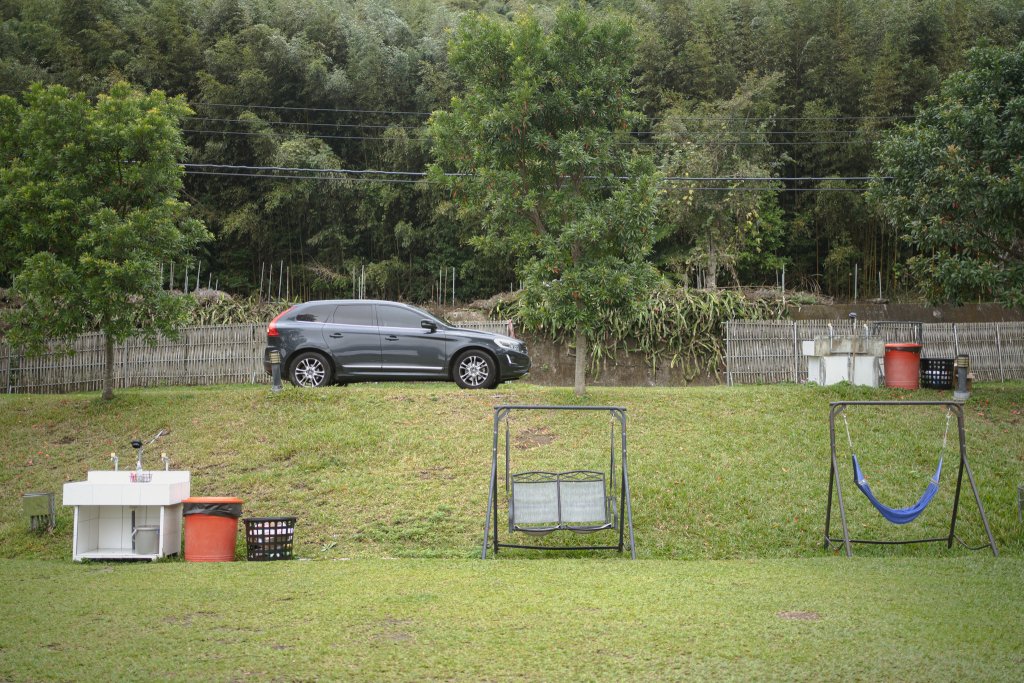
(428,325)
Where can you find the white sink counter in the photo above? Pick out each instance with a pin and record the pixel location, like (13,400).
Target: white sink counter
(116,488)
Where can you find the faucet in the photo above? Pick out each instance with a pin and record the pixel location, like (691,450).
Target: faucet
(137,445)
(113,459)
(167,461)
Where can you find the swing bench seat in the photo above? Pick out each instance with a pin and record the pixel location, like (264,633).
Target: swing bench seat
(578,501)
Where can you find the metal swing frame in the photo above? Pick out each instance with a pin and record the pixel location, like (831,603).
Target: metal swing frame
(836,408)
(618,416)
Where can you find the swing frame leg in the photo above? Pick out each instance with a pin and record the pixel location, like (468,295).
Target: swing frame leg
(833,478)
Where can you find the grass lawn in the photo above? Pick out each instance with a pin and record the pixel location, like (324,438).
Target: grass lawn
(569,619)
(389,484)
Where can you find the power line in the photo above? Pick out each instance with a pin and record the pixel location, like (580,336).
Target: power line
(739,131)
(399,181)
(421,174)
(301,123)
(318,109)
(663,118)
(633,143)
(392,177)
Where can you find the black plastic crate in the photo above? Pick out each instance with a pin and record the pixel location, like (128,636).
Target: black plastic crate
(937,373)
(269,538)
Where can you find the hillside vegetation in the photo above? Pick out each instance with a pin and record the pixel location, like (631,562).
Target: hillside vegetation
(302,106)
(401,470)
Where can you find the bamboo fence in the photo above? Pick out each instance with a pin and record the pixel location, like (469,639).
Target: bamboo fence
(212,354)
(769,351)
(222,354)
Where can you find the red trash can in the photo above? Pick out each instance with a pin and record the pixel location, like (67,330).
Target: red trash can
(903,366)
(211,528)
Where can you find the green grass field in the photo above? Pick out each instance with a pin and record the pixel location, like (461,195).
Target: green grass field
(389,484)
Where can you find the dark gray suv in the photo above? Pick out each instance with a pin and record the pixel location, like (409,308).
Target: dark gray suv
(323,342)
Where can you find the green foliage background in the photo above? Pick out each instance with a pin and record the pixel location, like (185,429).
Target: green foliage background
(349,84)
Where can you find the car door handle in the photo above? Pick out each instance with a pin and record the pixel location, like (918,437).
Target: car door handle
(336,335)
(391,337)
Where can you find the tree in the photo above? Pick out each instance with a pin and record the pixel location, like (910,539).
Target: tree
(707,230)
(540,140)
(957,182)
(89,212)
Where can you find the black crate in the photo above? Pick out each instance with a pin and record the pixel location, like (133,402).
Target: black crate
(269,538)
(937,373)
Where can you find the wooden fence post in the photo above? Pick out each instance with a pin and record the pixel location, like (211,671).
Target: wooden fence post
(999,354)
(728,352)
(796,356)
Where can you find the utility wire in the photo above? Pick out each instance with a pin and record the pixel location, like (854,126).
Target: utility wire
(415,182)
(269,122)
(634,143)
(362,175)
(421,174)
(667,118)
(319,109)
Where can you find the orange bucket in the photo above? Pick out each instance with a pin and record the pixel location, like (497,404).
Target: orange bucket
(211,528)
(903,366)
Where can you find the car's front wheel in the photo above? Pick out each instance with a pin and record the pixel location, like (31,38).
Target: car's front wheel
(310,369)
(475,370)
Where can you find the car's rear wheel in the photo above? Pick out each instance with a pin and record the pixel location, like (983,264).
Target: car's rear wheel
(475,370)
(310,369)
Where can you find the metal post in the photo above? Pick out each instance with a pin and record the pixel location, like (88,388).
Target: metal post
(275,370)
(855,283)
(625,479)
(492,490)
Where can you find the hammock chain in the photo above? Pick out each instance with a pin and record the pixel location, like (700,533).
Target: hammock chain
(945,434)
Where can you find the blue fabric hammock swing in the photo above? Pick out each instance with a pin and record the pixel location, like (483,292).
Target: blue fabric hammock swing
(898,515)
(910,513)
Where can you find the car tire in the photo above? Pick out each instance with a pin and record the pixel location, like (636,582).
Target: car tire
(310,370)
(475,370)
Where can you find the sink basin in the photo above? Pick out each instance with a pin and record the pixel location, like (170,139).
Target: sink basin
(105,487)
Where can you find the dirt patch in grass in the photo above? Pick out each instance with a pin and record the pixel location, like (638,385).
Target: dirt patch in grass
(533,438)
(799,616)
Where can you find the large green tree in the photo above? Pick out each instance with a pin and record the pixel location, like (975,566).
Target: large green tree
(957,182)
(540,141)
(721,144)
(89,211)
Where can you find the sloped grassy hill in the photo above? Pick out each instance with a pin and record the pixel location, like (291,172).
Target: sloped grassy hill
(400,470)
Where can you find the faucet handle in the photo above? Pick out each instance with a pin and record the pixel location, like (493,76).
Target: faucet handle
(136,444)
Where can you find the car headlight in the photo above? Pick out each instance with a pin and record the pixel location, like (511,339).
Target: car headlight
(508,344)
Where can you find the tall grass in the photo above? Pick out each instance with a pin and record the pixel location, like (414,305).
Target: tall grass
(681,327)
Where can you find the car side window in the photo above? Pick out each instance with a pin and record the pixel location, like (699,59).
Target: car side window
(354,314)
(395,316)
(315,314)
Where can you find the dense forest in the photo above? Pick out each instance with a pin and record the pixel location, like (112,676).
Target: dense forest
(308,149)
